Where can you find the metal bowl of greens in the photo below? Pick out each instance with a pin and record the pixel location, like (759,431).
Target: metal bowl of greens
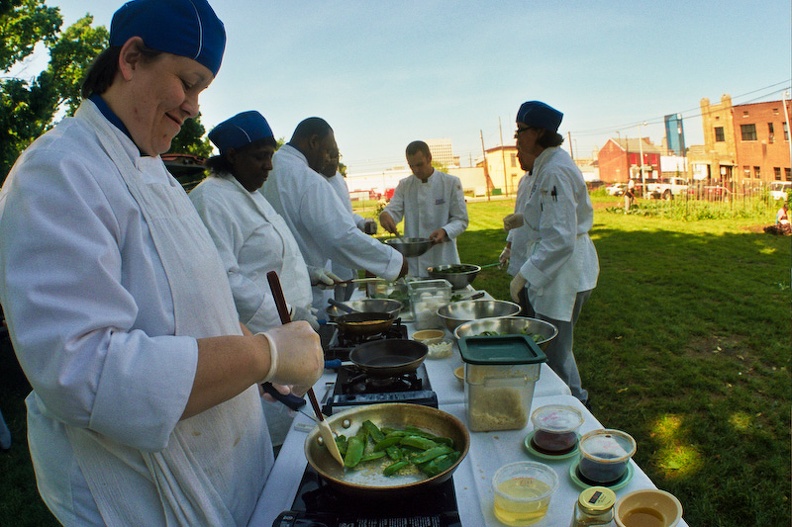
(460,275)
(541,331)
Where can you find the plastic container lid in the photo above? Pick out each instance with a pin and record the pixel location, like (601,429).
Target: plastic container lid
(500,350)
(596,500)
(557,418)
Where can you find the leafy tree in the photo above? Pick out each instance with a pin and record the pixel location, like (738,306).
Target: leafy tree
(29,107)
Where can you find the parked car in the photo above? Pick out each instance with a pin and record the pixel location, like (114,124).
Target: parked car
(779,190)
(667,188)
(616,189)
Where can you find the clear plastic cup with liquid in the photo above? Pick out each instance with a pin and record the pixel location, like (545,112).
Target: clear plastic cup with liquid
(523,491)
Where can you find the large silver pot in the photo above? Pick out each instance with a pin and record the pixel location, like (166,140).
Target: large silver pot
(368,481)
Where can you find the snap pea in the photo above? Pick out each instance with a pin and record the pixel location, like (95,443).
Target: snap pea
(394,453)
(387,442)
(341,443)
(395,467)
(372,456)
(419,442)
(354,452)
(439,464)
(432,453)
(373,432)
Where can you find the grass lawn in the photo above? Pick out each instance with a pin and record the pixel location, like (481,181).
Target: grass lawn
(685,344)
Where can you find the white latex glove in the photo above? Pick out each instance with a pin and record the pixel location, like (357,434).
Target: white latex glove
(517,285)
(305,313)
(513,221)
(504,257)
(296,356)
(322,277)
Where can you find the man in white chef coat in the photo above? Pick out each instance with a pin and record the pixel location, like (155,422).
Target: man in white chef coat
(562,266)
(367,225)
(317,217)
(432,205)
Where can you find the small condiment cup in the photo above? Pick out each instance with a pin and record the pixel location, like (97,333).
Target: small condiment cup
(648,508)
(604,455)
(555,428)
(429,336)
(522,492)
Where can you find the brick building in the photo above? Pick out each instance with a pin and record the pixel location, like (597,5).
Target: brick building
(621,158)
(746,144)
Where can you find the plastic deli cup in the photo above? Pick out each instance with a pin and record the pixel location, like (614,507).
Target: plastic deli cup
(522,492)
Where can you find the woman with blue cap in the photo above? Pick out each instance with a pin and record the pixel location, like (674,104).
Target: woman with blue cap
(251,237)
(562,266)
(145,407)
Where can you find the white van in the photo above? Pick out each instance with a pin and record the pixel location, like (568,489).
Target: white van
(779,189)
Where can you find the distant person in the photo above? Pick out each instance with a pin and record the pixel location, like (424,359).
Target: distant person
(367,225)
(316,216)
(432,205)
(629,195)
(514,254)
(782,220)
(562,266)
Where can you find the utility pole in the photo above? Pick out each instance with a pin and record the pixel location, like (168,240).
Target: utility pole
(487,181)
(503,160)
(569,140)
(640,148)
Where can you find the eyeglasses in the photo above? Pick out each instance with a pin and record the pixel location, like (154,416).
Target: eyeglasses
(520,130)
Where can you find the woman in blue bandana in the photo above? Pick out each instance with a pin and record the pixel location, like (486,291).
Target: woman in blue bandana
(145,407)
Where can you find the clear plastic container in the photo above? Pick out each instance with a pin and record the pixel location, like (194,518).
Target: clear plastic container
(425,297)
(500,377)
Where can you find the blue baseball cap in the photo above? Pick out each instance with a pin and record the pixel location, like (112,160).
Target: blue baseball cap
(240,130)
(539,115)
(189,28)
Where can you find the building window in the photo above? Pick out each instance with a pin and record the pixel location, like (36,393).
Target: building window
(513,160)
(746,172)
(786,131)
(719,136)
(748,132)
(770,132)
(788,174)
(757,172)
(777,173)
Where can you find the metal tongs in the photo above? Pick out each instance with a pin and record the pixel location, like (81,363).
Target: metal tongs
(324,428)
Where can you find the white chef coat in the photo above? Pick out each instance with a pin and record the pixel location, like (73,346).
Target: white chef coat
(101,335)
(340,187)
(320,223)
(426,207)
(562,260)
(519,236)
(252,240)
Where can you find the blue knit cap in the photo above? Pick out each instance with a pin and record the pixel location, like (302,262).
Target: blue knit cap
(240,130)
(539,115)
(189,28)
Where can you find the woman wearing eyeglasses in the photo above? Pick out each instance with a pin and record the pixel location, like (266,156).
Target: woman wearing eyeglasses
(562,266)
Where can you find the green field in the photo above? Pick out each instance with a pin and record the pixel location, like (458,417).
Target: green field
(685,344)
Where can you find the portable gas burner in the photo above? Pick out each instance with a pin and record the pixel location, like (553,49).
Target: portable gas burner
(354,387)
(337,345)
(318,504)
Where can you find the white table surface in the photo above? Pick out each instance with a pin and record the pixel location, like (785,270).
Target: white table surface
(472,479)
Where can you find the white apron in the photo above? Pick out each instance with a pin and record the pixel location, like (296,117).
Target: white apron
(224,438)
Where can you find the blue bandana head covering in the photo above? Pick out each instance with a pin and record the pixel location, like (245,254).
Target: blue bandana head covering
(539,115)
(240,130)
(189,28)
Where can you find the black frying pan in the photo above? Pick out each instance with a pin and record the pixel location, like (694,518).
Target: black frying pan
(364,324)
(388,357)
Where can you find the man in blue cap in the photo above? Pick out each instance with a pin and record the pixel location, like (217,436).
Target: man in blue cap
(562,266)
(145,407)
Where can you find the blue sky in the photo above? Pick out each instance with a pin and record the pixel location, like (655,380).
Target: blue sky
(384,73)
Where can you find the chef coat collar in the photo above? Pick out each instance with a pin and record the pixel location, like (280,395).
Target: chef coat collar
(110,115)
